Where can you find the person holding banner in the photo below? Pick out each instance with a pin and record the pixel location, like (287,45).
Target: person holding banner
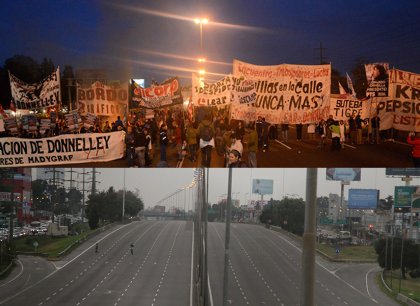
(414,139)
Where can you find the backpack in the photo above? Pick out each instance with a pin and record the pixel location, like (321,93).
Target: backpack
(206,133)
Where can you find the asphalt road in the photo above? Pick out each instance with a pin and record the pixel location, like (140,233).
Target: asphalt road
(158,273)
(303,153)
(265,269)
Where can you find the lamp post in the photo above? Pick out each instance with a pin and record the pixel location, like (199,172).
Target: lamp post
(201,22)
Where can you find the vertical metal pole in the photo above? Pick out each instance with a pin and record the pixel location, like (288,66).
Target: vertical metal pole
(83,199)
(227,241)
(401,262)
(12,208)
(309,236)
(123,203)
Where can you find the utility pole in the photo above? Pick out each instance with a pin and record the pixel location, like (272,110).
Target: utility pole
(56,180)
(322,60)
(227,241)
(94,181)
(309,239)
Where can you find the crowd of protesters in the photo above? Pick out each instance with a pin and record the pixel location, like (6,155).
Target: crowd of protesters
(211,130)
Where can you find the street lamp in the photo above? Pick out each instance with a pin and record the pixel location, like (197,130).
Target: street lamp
(201,21)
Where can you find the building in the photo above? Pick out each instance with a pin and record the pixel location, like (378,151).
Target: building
(19,182)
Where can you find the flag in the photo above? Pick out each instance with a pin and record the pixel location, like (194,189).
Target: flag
(12,106)
(342,90)
(350,86)
(2,112)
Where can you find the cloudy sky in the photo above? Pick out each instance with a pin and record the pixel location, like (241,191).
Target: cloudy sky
(156,184)
(157,39)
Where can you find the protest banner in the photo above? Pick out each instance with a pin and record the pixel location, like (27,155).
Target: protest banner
(342,107)
(401,110)
(167,93)
(37,95)
(223,92)
(377,79)
(103,100)
(61,150)
(289,93)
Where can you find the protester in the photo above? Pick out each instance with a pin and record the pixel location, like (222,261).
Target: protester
(259,129)
(140,146)
(235,160)
(252,146)
(321,133)
(413,138)
(130,147)
(335,136)
(359,127)
(342,133)
(163,137)
(266,140)
(299,127)
(285,131)
(206,132)
(191,136)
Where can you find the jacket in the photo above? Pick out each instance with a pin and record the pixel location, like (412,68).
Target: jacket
(415,152)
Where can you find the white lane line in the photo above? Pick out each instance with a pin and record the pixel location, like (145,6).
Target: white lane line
(13,279)
(367,285)
(347,145)
(283,144)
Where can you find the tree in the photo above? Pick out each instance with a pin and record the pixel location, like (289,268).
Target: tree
(24,68)
(411,254)
(40,196)
(74,197)
(106,206)
(289,213)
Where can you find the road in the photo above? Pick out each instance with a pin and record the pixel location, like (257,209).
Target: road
(303,153)
(158,273)
(265,269)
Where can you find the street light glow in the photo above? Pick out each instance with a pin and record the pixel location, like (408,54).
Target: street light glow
(201,72)
(201,60)
(201,20)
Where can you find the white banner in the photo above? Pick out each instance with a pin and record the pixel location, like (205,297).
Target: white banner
(402,108)
(289,93)
(222,93)
(61,150)
(342,107)
(103,100)
(38,95)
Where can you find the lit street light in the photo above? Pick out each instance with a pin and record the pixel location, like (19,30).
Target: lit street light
(201,21)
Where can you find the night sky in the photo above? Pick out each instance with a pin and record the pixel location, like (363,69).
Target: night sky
(158,39)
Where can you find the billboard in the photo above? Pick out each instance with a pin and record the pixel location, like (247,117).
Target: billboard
(363,198)
(402,171)
(262,186)
(343,174)
(407,197)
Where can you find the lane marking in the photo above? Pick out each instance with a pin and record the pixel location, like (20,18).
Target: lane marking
(19,274)
(283,144)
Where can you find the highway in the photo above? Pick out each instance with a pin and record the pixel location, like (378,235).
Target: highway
(158,273)
(265,269)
